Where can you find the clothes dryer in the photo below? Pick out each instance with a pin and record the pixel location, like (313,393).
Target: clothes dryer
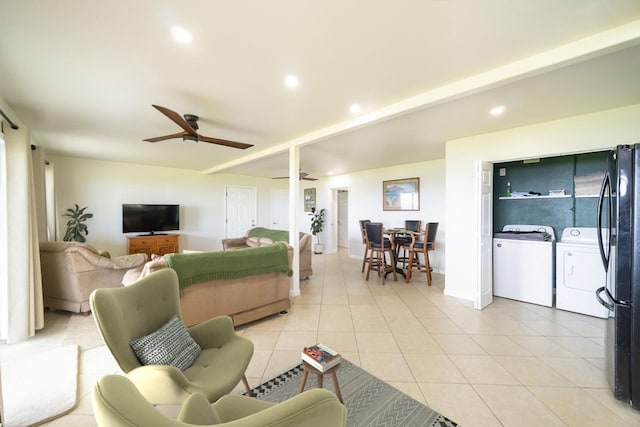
(579,272)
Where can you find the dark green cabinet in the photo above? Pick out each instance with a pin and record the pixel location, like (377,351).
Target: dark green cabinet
(553,173)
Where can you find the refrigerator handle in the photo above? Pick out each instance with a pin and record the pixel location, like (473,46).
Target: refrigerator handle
(610,299)
(607,304)
(605,189)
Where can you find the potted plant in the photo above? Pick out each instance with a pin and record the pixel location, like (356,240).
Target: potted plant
(76,228)
(317,224)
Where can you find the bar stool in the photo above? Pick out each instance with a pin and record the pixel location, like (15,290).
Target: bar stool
(417,247)
(403,240)
(378,248)
(363,232)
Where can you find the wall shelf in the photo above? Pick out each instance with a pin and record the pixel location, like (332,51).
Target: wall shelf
(564,196)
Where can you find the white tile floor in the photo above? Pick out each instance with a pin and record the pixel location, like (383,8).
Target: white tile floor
(512,364)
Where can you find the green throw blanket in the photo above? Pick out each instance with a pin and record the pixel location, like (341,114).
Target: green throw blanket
(200,267)
(275,235)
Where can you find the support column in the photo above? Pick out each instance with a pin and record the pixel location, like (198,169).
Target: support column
(294,217)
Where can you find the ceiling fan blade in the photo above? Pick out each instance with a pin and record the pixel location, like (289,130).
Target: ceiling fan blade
(227,143)
(162,138)
(301,175)
(177,118)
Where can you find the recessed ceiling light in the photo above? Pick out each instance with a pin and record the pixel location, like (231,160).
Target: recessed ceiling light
(497,111)
(181,35)
(355,108)
(291,81)
(330,173)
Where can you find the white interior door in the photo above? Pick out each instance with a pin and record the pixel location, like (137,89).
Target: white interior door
(343,218)
(279,209)
(240,210)
(484,181)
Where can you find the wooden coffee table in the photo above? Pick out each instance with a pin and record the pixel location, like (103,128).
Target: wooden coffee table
(308,368)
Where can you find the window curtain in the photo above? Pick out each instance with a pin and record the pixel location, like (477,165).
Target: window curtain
(21,306)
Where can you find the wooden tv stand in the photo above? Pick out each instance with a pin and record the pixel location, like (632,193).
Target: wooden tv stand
(158,244)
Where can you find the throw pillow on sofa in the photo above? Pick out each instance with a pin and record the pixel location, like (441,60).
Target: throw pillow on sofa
(170,345)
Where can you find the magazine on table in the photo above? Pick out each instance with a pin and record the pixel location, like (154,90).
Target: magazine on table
(321,357)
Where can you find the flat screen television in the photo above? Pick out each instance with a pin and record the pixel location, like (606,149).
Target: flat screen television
(150,218)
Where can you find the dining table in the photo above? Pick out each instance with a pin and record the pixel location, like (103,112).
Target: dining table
(393,233)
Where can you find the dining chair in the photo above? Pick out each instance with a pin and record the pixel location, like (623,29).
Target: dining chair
(421,243)
(363,232)
(378,248)
(403,240)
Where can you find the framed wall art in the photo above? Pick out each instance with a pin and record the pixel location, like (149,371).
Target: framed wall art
(309,199)
(401,195)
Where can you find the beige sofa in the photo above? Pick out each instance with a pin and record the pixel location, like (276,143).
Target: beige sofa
(71,271)
(260,236)
(244,299)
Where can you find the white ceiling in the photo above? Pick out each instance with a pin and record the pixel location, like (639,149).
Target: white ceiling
(83,75)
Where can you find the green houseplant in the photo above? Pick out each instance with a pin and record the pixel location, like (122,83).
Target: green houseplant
(317,224)
(76,228)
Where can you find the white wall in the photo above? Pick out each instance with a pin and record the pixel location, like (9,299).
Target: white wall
(590,132)
(104,186)
(365,202)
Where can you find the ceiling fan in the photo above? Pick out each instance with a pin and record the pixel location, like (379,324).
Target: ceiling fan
(301,175)
(190,125)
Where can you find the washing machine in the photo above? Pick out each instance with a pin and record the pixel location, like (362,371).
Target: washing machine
(579,272)
(524,263)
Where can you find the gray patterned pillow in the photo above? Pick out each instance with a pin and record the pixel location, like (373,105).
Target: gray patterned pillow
(170,345)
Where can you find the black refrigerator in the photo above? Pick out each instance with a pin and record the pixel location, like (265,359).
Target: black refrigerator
(619,241)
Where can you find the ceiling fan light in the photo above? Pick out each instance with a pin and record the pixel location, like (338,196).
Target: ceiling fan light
(191,138)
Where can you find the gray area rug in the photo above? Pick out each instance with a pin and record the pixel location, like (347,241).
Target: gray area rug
(369,400)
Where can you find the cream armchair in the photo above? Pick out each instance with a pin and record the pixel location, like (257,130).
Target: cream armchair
(116,402)
(71,271)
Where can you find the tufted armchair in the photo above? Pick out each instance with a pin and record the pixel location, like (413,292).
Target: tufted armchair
(125,314)
(71,271)
(116,402)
